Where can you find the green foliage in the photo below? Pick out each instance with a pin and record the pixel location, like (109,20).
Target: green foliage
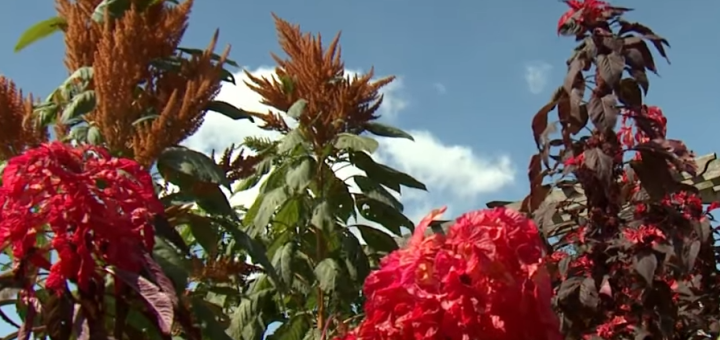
(383,130)
(304,213)
(228,110)
(40,30)
(181,166)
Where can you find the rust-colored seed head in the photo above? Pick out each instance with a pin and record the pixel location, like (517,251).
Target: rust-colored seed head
(19,129)
(336,102)
(127,86)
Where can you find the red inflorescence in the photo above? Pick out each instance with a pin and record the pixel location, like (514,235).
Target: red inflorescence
(92,207)
(484,280)
(581,13)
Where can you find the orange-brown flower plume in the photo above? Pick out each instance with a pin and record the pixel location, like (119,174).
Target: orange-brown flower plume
(336,103)
(128,87)
(18,129)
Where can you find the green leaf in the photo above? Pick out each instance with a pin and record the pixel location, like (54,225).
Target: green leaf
(199,52)
(383,130)
(79,105)
(293,329)
(191,163)
(356,261)
(297,109)
(384,174)
(246,320)
(207,322)
(377,192)
(289,214)
(228,110)
(322,217)
(290,141)
(247,183)
(355,143)
(115,8)
(174,266)
(94,137)
(300,176)
(213,201)
(83,74)
(40,30)
(282,261)
(327,272)
(338,193)
(313,334)
(255,249)
(377,239)
(270,203)
(78,133)
(382,214)
(144,119)
(205,232)
(227,76)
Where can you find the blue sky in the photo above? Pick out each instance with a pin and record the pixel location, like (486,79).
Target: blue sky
(463,67)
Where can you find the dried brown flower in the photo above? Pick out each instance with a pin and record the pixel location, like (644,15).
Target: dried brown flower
(122,53)
(336,103)
(239,166)
(18,130)
(221,269)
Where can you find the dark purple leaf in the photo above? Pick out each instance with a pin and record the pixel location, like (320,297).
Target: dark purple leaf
(576,65)
(655,177)
(611,67)
(597,161)
(58,316)
(588,293)
(159,302)
(645,265)
(693,249)
(673,151)
(641,78)
(158,276)
(540,122)
(638,55)
(568,287)
(544,215)
(703,229)
(645,32)
(629,93)
(603,111)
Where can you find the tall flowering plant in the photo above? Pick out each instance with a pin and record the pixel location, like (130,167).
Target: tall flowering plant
(635,259)
(483,280)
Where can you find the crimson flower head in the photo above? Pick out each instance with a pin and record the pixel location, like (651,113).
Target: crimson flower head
(91,207)
(582,13)
(483,280)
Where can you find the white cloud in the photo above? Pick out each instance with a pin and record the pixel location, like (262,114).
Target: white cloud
(536,76)
(453,169)
(440,88)
(453,173)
